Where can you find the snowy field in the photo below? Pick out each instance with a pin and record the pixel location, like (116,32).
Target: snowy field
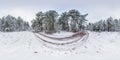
(61,34)
(26,46)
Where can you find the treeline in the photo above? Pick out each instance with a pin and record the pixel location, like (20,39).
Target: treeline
(10,23)
(50,21)
(109,24)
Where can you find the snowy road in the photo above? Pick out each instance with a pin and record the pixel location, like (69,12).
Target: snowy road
(23,45)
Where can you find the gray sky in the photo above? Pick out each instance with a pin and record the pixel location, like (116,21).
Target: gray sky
(97,9)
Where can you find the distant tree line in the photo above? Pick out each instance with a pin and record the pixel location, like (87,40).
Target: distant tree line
(10,23)
(109,24)
(50,21)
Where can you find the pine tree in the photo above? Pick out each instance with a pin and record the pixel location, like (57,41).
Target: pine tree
(10,23)
(116,25)
(50,19)
(74,15)
(63,20)
(40,18)
(109,24)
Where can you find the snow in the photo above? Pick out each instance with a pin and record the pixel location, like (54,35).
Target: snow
(62,44)
(60,34)
(23,45)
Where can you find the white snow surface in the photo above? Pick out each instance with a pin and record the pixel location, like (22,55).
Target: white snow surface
(61,34)
(23,45)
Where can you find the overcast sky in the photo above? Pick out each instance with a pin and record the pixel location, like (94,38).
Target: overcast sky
(97,9)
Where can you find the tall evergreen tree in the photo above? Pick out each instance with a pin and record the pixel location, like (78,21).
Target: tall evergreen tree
(50,19)
(10,23)
(74,15)
(109,24)
(40,18)
(63,20)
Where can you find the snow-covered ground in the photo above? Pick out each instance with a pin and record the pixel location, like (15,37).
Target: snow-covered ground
(61,34)
(26,46)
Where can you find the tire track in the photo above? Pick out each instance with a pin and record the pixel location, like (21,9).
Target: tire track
(79,34)
(59,39)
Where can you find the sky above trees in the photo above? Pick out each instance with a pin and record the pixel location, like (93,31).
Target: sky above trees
(97,9)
